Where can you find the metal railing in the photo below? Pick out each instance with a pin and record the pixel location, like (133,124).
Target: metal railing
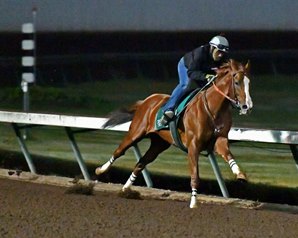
(79,124)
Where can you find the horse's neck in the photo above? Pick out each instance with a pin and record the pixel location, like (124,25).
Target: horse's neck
(216,101)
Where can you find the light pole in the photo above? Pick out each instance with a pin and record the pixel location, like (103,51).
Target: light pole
(34,12)
(28,60)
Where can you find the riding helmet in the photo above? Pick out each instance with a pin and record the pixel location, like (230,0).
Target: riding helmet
(220,43)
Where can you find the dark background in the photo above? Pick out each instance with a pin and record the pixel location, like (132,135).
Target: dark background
(79,56)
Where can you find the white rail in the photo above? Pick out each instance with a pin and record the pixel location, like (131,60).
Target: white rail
(237,134)
(21,120)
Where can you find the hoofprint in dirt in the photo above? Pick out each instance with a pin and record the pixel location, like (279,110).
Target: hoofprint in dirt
(32,207)
(144,192)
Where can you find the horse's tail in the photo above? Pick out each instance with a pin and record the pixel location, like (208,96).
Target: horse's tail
(122,115)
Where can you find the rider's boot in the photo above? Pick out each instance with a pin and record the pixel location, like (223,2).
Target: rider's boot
(166,117)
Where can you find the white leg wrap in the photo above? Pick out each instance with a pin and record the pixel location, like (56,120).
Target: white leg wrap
(105,167)
(193,199)
(129,182)
(234,167)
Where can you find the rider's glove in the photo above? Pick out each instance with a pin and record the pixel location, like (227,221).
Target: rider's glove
(209,77)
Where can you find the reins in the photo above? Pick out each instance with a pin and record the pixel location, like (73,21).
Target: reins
(233,101)
(206,106)
(223,94)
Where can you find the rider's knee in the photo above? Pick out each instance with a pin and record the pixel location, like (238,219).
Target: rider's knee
(185,87)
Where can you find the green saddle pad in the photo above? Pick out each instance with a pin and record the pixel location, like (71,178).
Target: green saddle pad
(180,108)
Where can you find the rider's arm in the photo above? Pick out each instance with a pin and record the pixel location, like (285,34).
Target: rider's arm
(194,61)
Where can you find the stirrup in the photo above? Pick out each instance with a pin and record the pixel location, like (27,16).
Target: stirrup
(166,117)
(169,114)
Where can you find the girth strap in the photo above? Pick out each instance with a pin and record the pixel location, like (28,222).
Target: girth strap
(173,123)
(175,135)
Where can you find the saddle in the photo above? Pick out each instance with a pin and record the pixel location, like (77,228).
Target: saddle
(172,125)
(178,110)
(181,106)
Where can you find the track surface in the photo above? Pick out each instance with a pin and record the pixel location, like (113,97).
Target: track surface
(38,210)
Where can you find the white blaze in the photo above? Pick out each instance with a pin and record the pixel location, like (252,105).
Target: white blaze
(248,100)
(246,90)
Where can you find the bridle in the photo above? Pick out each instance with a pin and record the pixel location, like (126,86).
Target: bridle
(235,102)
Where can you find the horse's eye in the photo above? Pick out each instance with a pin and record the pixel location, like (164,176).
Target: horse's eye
(237,83)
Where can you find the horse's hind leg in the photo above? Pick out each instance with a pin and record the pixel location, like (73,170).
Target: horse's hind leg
(221,147)
(157,146)
(131,137)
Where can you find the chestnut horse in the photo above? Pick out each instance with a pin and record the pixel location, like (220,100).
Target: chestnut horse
(204,125)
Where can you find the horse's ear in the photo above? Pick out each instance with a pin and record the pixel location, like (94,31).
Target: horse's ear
(247,66)
(232,63)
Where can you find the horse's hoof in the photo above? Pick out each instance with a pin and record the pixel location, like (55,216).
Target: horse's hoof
(126,189)
(193,202)
(98,171)
(193,206)
(129,193)
(241,177)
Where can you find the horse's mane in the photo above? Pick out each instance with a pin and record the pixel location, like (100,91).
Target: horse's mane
(228,66)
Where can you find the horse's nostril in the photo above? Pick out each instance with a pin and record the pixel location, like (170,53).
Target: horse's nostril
(244,107)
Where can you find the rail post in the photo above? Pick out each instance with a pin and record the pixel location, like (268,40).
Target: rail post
(145,172)
(24,148)
(218,175)
(77,154)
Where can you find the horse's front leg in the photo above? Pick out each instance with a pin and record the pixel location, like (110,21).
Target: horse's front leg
(193,162)
(221,147)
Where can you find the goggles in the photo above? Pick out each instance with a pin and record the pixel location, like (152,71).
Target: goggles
(222,47)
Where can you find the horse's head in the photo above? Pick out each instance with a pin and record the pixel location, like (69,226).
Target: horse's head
(240,85)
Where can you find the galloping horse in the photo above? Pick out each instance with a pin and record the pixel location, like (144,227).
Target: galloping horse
(204,125)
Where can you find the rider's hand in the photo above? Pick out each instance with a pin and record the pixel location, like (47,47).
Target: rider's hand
(209,77)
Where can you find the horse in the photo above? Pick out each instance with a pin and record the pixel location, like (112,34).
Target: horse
(204,125)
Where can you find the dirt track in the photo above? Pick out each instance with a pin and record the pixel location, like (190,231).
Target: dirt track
(38,210)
